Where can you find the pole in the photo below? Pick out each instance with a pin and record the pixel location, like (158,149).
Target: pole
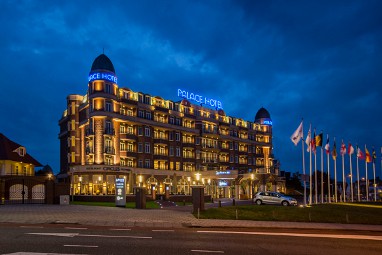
(328,155)
(367,180)
(310,176)
(303,164)
(351,178)
(374,184)
(343,179)
(335,180)
(315,177)
(358,190)
(322,174)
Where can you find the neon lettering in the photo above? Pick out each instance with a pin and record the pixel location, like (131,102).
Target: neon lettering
(200,99)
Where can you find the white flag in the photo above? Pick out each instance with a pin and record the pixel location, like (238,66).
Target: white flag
(308,140)
(297,135)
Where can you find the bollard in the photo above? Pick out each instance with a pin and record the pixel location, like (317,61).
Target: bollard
(212,199)
(184,202)
(237,215)
(198,213)
(220,203)
(233,202)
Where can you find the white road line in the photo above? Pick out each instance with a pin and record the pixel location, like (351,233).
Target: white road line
(78,245)
(163,230)
(74,228)
(77,234)
(358,237)
(31,227)
(120,229)
(207,251)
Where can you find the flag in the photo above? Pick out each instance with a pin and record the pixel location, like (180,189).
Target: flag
(334,152)
(374,155)
(368,157)
(360,154)
(318,139)
(313,142)
(308,140)
(350,149)
(297,135)
(343,148)
(327,146)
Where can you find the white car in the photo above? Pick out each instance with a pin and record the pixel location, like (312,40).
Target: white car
(268,197)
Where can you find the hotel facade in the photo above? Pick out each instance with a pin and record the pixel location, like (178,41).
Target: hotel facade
(162,145)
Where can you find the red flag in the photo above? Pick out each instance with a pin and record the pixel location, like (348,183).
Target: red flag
(350,149)
(343,149)
(360,154)
(313,143)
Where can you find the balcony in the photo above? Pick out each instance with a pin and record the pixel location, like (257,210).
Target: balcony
(89,150)
(109,150)
(161,141)
(109,131)
(210,161)
(187,144)
(128,136)
(160,156)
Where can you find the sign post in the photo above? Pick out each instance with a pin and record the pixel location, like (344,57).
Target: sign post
(120,195)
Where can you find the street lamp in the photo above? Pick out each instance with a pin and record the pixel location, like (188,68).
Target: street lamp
(252,190)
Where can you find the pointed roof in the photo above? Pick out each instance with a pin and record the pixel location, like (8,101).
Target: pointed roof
(9,151)
(102,62)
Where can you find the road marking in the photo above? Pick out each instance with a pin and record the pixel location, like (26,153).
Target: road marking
(207,251)
(37,253)
(78,245)
(77,234)
(55,234)
(74,228)
(363,237)
(31,227)
(163,230)
(120,229)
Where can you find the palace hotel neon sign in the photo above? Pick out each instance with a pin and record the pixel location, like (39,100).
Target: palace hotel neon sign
(200,99)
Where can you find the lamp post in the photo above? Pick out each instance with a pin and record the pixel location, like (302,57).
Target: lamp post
(252,188)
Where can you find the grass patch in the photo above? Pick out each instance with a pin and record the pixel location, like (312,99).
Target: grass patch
(325,213)
(149,204)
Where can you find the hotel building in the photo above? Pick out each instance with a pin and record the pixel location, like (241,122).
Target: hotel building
(162,145)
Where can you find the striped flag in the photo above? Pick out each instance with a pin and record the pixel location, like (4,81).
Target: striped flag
(318,139)
(374,155)
(308,140)
(334,152)
(368,157)
(327,145)
(350,149)
(360,154)
(343,148)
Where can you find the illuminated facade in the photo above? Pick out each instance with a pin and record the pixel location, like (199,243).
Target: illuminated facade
(161,144)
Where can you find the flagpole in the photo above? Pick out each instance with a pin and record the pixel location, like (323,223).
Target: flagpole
(310,170)
(335,175)
(358,190)
(351,176)
(374,184)
(343,177)
(328,155)
(322,174)
(315,176)
(303,163)
(367,181)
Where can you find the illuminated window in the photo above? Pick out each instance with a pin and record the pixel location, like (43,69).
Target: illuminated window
(73,141)
(73,125)
(73,157)
(177,166)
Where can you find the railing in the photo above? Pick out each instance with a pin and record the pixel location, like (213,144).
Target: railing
(109,131)
(109,150)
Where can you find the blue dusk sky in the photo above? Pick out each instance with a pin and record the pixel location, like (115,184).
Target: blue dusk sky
(316,60)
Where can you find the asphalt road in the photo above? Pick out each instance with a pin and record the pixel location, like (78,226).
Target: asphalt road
(79,239)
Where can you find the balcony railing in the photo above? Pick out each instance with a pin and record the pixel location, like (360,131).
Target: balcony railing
(109,131)
(109,150)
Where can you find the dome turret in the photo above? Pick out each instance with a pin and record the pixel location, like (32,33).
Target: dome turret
(263,117)
(102,62)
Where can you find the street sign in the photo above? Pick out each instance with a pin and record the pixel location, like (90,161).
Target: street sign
(120,194)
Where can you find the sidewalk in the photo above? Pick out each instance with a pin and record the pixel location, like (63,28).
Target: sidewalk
(156,218)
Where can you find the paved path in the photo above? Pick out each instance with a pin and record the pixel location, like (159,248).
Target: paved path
(171,217)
